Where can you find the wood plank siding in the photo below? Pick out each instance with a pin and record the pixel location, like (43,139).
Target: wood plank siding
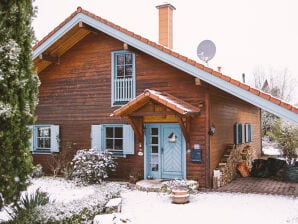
(77,93)
(225,111)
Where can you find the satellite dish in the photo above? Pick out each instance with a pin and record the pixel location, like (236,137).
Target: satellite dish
(206,50)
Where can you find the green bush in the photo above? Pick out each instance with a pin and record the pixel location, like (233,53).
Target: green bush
(18,97)
(286,135)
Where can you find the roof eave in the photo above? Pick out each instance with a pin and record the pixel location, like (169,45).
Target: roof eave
(160,53)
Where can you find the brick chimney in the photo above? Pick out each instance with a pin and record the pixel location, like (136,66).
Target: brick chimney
(165,22)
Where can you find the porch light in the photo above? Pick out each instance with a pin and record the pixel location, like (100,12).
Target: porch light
(172,137)
(211,130)
(140,152)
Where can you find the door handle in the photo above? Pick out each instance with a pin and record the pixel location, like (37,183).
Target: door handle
(161,150)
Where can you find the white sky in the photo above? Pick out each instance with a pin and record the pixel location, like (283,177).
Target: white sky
(247,33)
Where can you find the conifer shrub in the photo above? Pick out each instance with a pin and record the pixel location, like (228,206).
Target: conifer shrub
(18,97)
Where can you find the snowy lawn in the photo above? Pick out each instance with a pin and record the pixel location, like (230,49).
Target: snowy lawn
(148,208)
(144,208)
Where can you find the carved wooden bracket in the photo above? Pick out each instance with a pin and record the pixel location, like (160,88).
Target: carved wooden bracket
(185,130)
(137,124)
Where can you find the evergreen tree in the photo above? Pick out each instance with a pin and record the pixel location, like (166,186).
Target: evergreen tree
(18,97)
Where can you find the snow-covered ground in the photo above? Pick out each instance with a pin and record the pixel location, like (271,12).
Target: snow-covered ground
(270,148)
(148,207)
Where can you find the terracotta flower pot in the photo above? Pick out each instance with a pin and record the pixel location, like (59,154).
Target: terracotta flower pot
(180,196)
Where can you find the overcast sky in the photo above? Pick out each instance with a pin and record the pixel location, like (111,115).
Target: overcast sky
(247,33)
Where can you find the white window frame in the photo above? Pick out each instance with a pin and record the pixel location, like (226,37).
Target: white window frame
(126,81)
(54,139)
(114,151)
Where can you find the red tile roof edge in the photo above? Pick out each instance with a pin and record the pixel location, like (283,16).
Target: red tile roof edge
(173,53)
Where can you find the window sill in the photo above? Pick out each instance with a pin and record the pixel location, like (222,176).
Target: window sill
(117,155)
(44,152)
(119,104)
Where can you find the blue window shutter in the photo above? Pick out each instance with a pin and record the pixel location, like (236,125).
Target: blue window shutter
(55,139)
(128,140)
(250,133)
(96,137)
(31,140)
(236,139)
(247,132)
(238,133)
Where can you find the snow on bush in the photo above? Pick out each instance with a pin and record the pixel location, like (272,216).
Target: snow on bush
(69,202)
(91,166)
(82,209)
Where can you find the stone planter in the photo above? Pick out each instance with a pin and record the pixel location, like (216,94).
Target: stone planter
(180,196)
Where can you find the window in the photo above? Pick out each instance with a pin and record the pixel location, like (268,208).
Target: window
(123,77)
(117,138)
(114,139)
(44,139)
(154,149)
(247,132)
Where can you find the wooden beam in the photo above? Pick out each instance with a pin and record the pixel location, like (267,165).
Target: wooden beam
(87,27)
(151,113)
(183,129)
(50,58)
(188,123)
(136,128)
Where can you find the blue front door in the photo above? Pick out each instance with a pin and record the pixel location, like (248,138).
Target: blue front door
(165,153)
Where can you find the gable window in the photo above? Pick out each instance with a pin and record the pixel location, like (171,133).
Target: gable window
(44,139)
(116,138)
(123,77)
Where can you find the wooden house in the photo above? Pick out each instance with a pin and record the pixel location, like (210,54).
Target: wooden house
(162,114)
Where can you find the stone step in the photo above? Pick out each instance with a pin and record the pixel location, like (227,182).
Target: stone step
(113,205)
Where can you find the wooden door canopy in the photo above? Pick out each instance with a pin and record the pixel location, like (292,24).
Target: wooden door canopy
(170,105)
(179,106)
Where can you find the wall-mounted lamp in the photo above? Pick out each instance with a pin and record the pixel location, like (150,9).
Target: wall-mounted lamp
(211,130)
